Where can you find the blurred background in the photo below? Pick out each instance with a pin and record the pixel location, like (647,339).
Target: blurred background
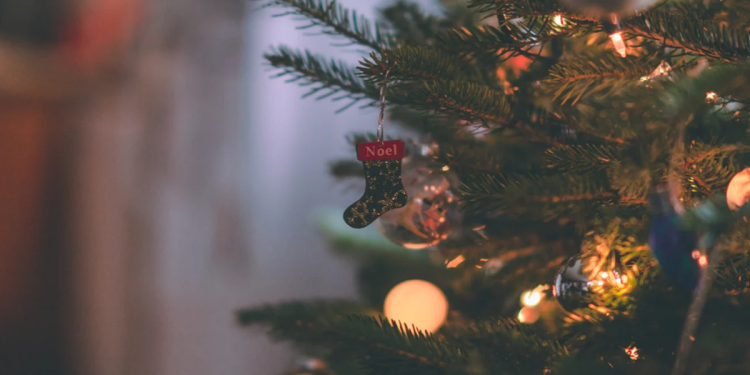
(153,179)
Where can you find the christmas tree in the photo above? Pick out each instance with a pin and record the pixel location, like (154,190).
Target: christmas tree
(576,189)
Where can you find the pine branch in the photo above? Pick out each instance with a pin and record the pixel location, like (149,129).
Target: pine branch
(631,183)
(409,63)
(582,158)
(337,20)
(504,345)
(545,197)
(603,75)
(463,100)
(710,166)
(598,121)
(683,27)
(284,314)
(410,24)
(701,151)
(689,93)
(535,9)
(329,78)
(506,6)
(389,347)
(476,158)
(488,42)
(381,345)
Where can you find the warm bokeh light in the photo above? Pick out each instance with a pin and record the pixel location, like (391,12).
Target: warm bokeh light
(702,261)
(710,96)
(417,302)
(632,352)
(455,262)
(619,44)
(528,315)
(559,20)
(696,254)
(533,297)
(738,191)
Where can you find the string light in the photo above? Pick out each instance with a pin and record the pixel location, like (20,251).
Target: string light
(532,297)
(632,352)
(619,44)
(663,70)
(528,315)
(696,254)
(614,30)
(710,96)
(702,261)
(559,20)
(417,302)
(455,262)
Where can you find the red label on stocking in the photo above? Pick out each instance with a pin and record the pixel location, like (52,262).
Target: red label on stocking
(376,151)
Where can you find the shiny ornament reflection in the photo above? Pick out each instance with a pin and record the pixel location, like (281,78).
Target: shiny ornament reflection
(528,315)
(662,72)
(429,216)
(573,288)
(738,191)
(418,303)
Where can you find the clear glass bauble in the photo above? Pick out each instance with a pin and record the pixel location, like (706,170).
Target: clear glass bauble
(576,286)
(573,288)
(430,215)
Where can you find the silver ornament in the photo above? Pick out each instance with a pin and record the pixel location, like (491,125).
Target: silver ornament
(572,286)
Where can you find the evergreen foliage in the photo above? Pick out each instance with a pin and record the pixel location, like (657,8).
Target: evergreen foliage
(555,142)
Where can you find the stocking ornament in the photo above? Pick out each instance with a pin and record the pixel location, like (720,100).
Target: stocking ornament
(382,164)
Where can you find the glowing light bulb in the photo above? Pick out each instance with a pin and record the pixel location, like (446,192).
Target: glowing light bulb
(417,302)
(710,96)
(619,44)
(455,262)
(559,20)
(528,315)
(632,352)
(702,261)
(531,298)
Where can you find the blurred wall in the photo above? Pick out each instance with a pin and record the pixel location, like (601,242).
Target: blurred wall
(197,180)
(291,140)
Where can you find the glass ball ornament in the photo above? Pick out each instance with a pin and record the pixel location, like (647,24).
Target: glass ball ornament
(430,215)
(576,286)
(573,288)
(417,302)
(738,191)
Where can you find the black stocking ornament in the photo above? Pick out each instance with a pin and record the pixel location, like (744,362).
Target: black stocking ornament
(382,163)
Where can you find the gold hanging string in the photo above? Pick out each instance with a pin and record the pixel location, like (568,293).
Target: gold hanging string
(381,134)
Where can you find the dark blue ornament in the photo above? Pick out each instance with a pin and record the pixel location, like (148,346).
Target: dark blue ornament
(672,243)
